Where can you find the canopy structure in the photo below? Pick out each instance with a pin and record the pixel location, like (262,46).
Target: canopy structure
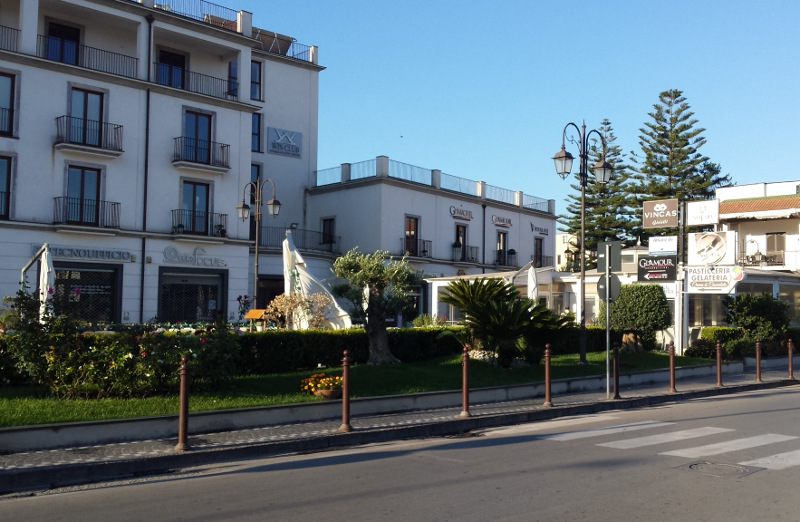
(298,280)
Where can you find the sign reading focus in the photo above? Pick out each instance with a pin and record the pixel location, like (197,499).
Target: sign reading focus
(662,213)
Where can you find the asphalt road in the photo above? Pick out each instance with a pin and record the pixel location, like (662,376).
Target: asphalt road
(722,458)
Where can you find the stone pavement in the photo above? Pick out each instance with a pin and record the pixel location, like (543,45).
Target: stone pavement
(38,470)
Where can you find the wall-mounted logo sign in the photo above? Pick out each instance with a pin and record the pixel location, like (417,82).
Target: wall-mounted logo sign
(501,221)
(702,212)
(540,230)
(711,248)
(460,213)
(94,254)
(284,142)
(662,213)
(198,257)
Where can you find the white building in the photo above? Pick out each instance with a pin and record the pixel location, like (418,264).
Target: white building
(128,132)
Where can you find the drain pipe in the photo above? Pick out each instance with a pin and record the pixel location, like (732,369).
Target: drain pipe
(483,269)
(143,261)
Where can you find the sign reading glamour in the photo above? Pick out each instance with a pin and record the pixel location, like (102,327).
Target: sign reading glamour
(657,268)
(285,142)
(501,221)
(198,257)
(460,213)
(662,213)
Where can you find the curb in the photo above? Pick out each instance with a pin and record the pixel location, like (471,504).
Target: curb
(48,477)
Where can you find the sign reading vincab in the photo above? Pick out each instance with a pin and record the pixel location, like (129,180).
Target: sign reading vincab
(662,213)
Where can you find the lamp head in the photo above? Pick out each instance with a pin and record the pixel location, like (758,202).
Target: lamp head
(563,162)
(602,171)
(243,211)
(273,207)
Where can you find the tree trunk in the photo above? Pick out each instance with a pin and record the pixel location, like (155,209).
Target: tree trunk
(379,346)
(631,343)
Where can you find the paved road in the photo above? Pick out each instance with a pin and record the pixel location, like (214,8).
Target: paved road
(724,458)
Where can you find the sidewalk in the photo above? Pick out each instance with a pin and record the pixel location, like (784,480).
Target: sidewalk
(85,464)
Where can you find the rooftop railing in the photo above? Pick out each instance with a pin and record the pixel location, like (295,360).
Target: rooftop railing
(456,184)
(409,172)
(202,11)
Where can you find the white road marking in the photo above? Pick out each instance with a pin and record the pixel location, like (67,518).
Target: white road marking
(779,461)
(547,425)
(731,445)
(664,438)
(599,432)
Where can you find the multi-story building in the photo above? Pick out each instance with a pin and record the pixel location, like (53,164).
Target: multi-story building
(128,133)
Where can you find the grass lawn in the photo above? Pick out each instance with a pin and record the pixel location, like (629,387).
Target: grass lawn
(28,406)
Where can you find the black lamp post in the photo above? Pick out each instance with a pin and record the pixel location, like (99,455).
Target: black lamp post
(602,172)
(243,211)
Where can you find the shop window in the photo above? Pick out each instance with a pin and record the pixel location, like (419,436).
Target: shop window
(88,293)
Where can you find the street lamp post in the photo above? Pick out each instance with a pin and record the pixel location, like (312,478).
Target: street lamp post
(243,211)
(602,171)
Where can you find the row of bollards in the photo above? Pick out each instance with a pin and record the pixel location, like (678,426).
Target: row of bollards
(346,427)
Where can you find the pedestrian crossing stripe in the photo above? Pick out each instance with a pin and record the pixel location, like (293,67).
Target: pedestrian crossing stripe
(731,445)
(664,438)
(598,432)
(776,462)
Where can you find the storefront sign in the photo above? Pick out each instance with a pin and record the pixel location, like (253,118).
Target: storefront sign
(658,268)
(542,231)
(501,221)
(460,213)
(94,254)
(662,213)
(713,279)
(702,212)
(662,245)
(285,142)
(197,258)
(711,248)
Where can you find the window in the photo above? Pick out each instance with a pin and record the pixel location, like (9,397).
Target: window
(62,43)
(412,231)
(461,240)
(233,78)
(255,140)
(170,70)
(6,104)
(191,295)
(538,252)
(501,245)
(255,80)
(776,242)
(90,293)
(83,196)
(194,207)
(5,186)
(197,137)
(328,231)
(86,116)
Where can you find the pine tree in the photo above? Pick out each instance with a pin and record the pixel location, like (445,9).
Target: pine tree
(610,211)
(670,165)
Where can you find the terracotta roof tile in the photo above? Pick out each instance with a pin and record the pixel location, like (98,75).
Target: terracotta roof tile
(737,206)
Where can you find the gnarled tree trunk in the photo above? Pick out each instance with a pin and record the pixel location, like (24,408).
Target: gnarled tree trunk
(379,346)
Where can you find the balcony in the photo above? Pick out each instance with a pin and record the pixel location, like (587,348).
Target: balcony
(210,155)
(772,259)
(540,261)
(86,212)
(505,257)
(304,240)
(70,52)
(199,223)
(180,78)
(9,38)
(82,134)
(416,247)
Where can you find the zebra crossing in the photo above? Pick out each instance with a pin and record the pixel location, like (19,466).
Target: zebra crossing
(631,436)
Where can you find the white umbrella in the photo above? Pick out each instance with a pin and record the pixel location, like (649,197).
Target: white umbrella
(47,281)
(533,284)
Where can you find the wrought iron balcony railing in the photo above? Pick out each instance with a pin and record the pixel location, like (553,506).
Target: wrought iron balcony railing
(201,151)
(4,197)
(199,222)
(9,38)
(69,51)
(91,133)
(180,78)
(416,247)
(6,122)
(86,212)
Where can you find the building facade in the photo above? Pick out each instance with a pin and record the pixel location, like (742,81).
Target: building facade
(128,133)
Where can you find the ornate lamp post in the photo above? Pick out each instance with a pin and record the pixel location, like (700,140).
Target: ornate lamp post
(602,172)
(243,211)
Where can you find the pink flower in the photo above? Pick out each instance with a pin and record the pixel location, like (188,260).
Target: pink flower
(50,290)
(203,340)
(77,290)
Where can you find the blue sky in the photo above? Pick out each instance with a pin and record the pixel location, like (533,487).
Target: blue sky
(483,90)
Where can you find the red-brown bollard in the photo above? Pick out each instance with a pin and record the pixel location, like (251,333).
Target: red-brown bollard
(791,362)
(719,363)
(758,360)
(464,382)
(616,371)
(672,367)
(547,402)
(346,427)
(183,408)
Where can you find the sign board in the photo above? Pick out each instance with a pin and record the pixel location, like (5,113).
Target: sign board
(711,248)
(662,213)
(702,212)
(615,255)
(662,245)
(717,279)
(658,268)
(670,289)
(613,288)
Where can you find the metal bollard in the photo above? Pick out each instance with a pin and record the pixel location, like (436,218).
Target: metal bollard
(616,371)
(791,361)
(719,363)
(758,360)
(183,408)
(672,367)
(346,427)
(547,402)
(464,383)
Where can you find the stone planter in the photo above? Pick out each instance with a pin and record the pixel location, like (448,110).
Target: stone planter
(329,394)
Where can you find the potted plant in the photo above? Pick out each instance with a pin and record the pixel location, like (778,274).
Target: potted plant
(221,231)
(178,229)
(323,385)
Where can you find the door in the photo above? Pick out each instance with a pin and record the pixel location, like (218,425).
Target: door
(171,69)
(194,217)
(83,196)
(62,43)
(85,126)
(197,137)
